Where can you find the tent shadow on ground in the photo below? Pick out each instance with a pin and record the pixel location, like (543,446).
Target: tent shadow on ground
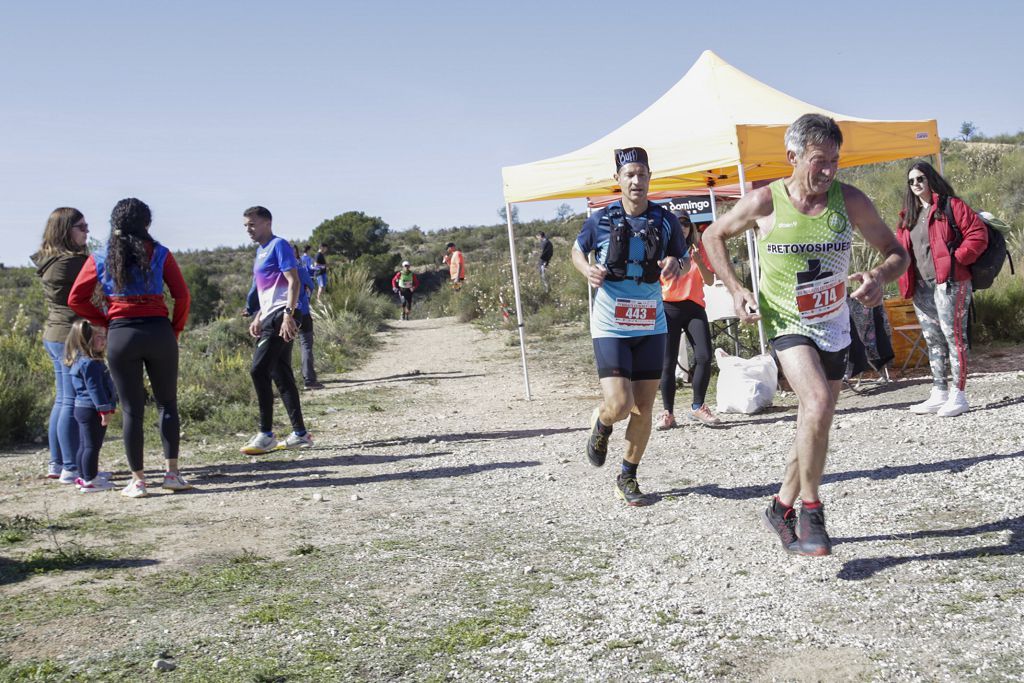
(304,463)
(467,436)
(953,466)
(866,567)
(13,571)
(840,412)
(404,377)
(289,480)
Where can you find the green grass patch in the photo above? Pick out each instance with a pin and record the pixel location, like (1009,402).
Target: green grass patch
(496,627)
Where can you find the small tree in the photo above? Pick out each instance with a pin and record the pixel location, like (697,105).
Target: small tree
(504,215)
(205,295)
(352,234)
(968,130)
(564,213)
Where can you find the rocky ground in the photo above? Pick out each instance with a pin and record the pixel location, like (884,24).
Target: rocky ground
(445,528)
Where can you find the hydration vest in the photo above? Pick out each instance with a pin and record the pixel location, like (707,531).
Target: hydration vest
(405,280)
(135,287)
(620,232)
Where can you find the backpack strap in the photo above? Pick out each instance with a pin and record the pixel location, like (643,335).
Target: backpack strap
(958,236)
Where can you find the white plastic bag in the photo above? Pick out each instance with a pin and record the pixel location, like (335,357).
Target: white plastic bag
(745,385)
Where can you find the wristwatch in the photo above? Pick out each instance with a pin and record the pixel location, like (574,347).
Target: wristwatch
(288,310)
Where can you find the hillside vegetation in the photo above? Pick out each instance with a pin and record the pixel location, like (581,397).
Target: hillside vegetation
(215,393)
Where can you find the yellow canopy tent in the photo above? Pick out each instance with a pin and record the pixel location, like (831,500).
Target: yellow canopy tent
(717,125)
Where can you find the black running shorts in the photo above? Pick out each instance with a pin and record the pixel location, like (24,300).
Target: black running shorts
(634,358)
(833,362)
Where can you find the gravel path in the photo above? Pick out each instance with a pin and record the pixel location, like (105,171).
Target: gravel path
(462,519)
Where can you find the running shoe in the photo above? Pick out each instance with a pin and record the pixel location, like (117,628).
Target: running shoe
(53,471)
(173,481)
(666,421)
(314,385)
(68,476)
(628,489)
(95,486)
(812,538)
(782,522)
(134,489)
(704,416)
(293,440)
(259,444)
(597,444)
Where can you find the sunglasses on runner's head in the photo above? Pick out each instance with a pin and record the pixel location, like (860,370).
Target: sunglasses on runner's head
(919,180)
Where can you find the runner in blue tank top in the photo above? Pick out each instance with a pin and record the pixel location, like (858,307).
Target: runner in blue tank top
(634,242)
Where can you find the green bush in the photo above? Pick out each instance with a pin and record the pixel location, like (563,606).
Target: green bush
(1000,310)
(26,382)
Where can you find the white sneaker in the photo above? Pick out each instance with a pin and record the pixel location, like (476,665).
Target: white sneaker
(295,441)
(173,481)
(955,405)
(95,486)
(935,400)
(134,489)
(259,444)
(67,476)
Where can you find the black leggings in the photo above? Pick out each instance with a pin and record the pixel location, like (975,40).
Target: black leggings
(134,344)
(688,317)
(273,361)
(91,432)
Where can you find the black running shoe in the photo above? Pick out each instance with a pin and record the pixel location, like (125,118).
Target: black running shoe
(783,523)
(628,489)
(597,444)
(812,538)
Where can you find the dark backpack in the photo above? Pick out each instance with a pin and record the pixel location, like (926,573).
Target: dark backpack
(990,262)
(617,257)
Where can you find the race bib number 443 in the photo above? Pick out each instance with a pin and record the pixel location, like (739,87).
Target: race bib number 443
(821,300)
(636,314)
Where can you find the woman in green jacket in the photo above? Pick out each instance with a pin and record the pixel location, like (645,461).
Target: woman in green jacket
(60,257)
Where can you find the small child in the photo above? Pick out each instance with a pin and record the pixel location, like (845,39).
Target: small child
(95,400)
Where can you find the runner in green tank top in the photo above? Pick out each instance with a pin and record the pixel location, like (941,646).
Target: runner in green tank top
(804,227)
(804,261)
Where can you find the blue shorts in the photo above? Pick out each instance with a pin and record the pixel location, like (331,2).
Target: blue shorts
(832,362)
(634,358)
(321,280)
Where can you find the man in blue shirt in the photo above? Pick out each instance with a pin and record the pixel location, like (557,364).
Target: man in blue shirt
(275,327)
(634,241)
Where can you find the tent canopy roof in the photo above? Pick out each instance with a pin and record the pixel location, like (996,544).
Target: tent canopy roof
(709,122)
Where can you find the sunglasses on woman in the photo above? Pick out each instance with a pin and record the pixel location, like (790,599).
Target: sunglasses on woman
(919,180)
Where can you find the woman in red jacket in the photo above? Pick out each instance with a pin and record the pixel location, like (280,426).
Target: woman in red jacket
(132,272)
(939,280)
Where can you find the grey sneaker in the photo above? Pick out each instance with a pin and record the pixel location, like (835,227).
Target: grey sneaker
(293,440)
(68,476)
(173,481)
(259,444)
(782,522)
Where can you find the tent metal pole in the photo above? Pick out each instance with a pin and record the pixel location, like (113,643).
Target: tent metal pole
(755,267)
(714,205)
(519,302)
(590,290)
(938,156)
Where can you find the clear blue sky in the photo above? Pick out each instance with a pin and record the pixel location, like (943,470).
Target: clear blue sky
(408,110)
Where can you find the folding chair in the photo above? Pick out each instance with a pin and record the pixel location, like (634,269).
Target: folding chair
(913,336)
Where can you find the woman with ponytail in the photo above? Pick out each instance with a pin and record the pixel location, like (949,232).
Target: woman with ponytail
(132,272)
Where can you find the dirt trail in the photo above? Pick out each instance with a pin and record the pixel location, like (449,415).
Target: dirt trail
(441,496)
